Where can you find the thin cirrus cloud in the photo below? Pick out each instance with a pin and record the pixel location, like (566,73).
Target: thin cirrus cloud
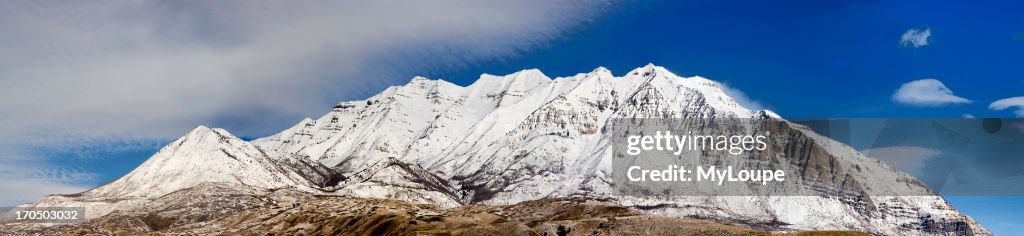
(129,74)
(1009,103)
(926,93)
(915,38)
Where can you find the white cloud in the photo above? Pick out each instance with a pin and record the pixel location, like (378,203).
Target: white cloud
(23,181)
(926,93)
(91,73)
(155,69)
(968,116)
(18,192)
(742,98)
(915,37)
(908,159)
(21,191)
(1009,103)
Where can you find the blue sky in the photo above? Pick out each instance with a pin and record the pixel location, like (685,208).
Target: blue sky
(845,55)
(802,59)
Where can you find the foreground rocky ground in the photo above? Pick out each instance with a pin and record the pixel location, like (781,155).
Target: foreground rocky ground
(207,210)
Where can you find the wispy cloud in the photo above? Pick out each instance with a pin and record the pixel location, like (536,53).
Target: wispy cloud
(23,180)
(21,191)
(926,93)
(915,37)
(87,73)
(1009,103)
(742,98)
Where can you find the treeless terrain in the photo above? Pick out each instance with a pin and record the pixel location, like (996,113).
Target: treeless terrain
(287,212)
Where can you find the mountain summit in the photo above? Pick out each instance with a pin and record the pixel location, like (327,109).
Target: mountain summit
(214,155)
(521,137)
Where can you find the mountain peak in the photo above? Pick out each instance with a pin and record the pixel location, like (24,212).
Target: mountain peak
(602,72)
(531,75)
(420,81)
(207,155)
(419,78)
(516,83)
(202,131)
(649,70)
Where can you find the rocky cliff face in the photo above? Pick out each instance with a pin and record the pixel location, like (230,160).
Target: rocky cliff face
(524,136)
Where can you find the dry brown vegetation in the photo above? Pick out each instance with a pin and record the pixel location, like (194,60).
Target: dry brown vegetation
(358,216)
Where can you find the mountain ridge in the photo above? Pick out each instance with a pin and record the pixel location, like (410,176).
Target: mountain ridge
(520,137)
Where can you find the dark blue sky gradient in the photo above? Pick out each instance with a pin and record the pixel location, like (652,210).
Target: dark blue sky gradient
(809,59)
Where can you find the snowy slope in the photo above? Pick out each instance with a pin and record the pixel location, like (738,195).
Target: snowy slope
(524,136)
(393,179)
(204,155)
(212,155)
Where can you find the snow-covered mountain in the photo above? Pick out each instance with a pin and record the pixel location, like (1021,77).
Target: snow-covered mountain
(525,136)
(214,155)
(203,155)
